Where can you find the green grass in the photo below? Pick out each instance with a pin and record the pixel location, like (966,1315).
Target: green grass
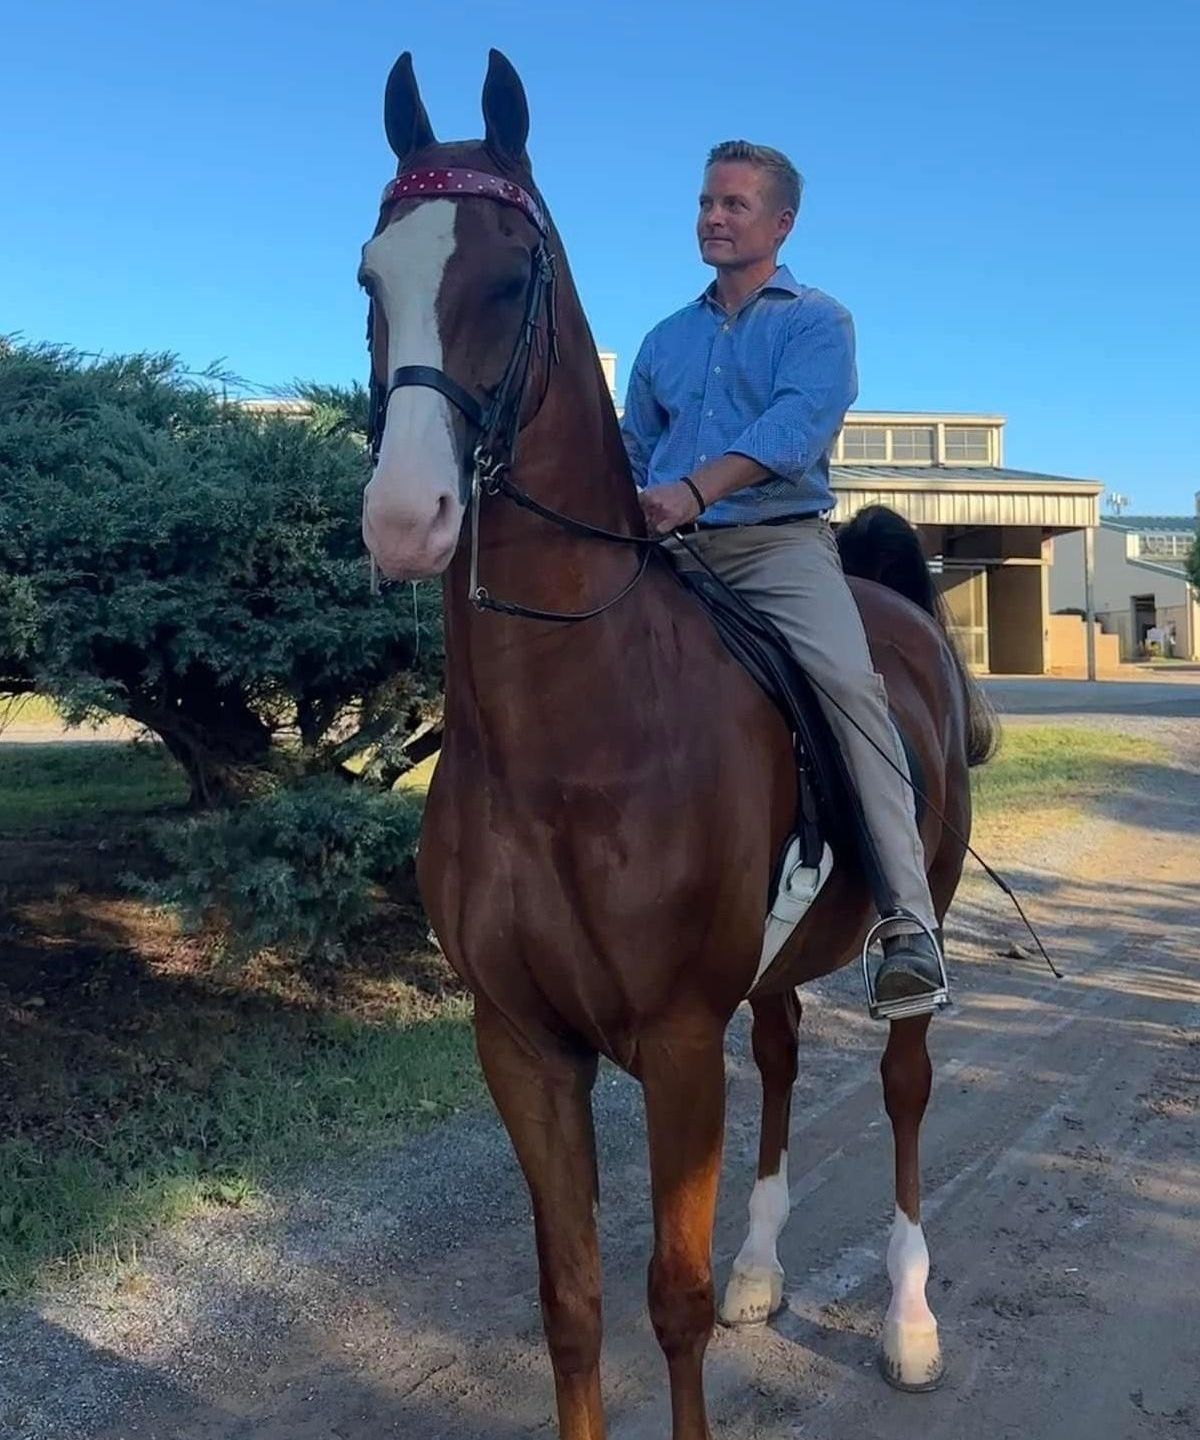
(48,786)
(1054,765)
(184,1102)
(264,1101)
(148,1081)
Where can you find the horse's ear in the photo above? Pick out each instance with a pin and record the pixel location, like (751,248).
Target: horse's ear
(505,111)
(404,116)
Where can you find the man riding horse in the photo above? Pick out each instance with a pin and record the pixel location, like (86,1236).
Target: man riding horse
(732,407)
(615,789)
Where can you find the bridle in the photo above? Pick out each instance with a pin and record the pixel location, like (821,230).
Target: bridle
(497,424)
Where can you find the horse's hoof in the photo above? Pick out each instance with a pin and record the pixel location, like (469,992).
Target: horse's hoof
(752,1297)
(910,1357)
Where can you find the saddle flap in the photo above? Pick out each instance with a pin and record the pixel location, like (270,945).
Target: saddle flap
(828,804)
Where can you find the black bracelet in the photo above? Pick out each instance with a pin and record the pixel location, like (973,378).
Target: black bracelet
(687,480)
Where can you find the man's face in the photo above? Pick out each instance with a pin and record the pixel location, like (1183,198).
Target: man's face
(741,222)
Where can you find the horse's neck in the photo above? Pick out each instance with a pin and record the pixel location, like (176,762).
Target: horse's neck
(570,458)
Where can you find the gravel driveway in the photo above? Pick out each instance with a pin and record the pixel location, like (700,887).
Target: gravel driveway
(397,1295)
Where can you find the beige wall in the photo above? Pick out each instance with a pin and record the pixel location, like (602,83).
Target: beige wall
(1186,619)
(608,363)
(1119,624)
(1017,621)
(1068,648)
(1118,580)
(1117,577)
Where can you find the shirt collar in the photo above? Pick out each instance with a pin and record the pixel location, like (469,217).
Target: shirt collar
(783,279)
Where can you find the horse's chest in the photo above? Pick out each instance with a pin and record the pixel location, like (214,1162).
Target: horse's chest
(548,861)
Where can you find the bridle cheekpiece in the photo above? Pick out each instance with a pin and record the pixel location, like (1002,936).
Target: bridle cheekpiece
(497,424)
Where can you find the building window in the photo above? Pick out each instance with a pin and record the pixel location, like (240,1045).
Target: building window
(912,442)
(864,442)
(967,443)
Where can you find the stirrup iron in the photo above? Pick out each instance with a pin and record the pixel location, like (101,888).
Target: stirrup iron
(907,1006)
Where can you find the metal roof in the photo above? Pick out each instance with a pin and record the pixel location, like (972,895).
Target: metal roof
(987,475)
(953,418)
(971,495)
(1153,524)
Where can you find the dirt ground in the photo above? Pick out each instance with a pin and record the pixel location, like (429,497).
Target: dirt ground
(1062,1207)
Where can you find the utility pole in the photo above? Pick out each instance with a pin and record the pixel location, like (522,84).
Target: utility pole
(1089,596)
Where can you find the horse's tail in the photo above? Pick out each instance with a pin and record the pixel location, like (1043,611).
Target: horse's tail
(878,544)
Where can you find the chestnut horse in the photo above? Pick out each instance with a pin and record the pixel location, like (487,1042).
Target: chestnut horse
(612,796)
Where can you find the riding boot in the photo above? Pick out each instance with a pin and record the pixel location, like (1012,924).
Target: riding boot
(910,966)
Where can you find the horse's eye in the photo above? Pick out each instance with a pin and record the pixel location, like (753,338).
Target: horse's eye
(510,289)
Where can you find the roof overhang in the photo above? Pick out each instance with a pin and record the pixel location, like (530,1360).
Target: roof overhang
(921,417)
(1046,502)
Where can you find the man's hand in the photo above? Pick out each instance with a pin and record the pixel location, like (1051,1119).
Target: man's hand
(667,507)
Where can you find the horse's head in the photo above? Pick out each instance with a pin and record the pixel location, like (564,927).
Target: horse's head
(452,284)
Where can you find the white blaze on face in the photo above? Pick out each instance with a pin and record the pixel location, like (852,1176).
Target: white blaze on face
(411,508)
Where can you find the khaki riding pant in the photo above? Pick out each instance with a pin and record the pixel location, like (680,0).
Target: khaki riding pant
(793,575)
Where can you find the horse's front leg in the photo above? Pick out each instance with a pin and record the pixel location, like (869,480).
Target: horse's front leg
(912,1357)
(542,1089)
(755,1289)
(682,1069)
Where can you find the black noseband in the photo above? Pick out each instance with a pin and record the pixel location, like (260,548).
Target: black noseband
(438,380)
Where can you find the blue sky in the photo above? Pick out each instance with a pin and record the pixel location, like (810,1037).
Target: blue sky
(1003,193)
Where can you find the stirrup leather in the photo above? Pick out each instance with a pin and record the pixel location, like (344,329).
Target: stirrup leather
(907,1006)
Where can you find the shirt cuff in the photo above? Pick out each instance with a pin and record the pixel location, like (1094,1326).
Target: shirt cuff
(774,447)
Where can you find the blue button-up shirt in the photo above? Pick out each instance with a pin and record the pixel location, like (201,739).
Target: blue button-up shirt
(772,381)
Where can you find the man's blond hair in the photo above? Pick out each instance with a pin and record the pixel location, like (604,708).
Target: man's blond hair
(786,181)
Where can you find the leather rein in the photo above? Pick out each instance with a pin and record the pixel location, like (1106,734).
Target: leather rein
(496,424)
